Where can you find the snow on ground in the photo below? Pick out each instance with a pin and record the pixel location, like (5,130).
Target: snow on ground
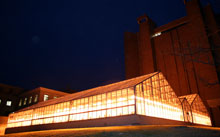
(126,131)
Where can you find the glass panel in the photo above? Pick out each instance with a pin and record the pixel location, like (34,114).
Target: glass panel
(157,99)
(104,100)
(104,113)
(125,110)
(109,100)
(114,99)
(94,103)
(200,113)
(115,103)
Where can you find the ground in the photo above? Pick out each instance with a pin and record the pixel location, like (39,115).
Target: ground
(126,131)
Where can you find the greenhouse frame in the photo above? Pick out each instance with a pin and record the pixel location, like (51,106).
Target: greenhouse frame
(144,100)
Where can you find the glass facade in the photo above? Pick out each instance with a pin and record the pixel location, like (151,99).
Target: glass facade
(157,99)
(115,103)
(197,111)
(151,97)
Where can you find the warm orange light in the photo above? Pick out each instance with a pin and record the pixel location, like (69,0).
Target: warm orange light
(153,97)
(99,106)
(157,109)
(201,119)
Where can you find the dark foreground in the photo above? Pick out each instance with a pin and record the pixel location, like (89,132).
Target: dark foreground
(126,131)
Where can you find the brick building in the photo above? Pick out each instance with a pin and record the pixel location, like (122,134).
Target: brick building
(36,95)
(14,98)
(185,50)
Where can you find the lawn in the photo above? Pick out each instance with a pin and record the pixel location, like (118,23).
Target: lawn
(126,131)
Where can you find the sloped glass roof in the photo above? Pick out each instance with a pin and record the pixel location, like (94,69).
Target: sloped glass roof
(94,91)
(190,98)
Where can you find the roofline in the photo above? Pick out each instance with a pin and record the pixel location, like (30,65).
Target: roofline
(157,72)
(52,90)
(42,88)
(11,86)
(27,108)
(172,24)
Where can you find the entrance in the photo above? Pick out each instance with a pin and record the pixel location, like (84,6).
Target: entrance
(187,113)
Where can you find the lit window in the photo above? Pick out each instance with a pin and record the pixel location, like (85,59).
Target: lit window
(156,34)
(55,97)
(8,103)
(25,101)
(30,99)
(46,97)
(20,103)
(36,98)
(0,101)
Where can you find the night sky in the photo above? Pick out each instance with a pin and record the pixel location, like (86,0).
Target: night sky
(72,44)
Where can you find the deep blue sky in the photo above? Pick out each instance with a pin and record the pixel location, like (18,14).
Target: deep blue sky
(75,44)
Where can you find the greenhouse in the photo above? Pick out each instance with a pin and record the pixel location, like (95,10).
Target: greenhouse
(147,99)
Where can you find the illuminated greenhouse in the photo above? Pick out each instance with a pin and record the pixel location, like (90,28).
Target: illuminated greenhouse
(146,100)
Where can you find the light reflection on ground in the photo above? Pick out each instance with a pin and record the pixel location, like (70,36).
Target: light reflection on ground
(126,131)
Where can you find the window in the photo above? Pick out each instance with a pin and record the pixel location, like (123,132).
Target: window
(36,98)
(20,103)
(8,103)
(0,101)
(30,99)
(25,101)
(46,97)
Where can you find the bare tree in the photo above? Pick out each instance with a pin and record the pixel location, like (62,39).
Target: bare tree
(196,54)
